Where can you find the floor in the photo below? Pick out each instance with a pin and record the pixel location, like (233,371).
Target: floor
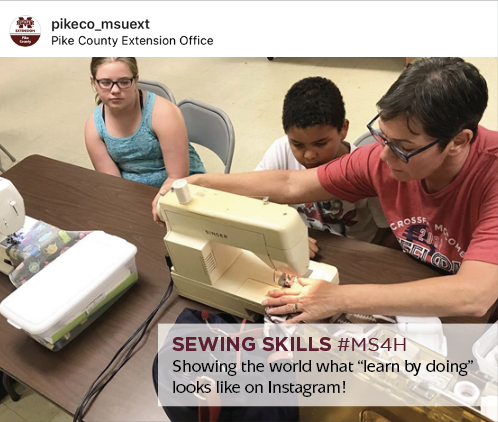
(45,102)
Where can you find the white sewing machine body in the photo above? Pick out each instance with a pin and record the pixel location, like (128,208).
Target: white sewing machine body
(228,249)
(12,218)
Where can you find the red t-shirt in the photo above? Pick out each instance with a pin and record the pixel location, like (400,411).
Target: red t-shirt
(443,228)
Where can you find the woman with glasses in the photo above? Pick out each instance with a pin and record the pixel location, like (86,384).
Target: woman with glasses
(135,134)
(435,171)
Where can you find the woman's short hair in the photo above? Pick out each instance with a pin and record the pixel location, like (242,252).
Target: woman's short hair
(445,94)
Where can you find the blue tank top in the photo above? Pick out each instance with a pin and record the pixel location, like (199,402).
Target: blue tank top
(139,156)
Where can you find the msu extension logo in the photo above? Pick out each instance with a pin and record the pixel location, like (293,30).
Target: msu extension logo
(25,31)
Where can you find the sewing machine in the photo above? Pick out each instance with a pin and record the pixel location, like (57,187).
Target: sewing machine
(12,219)
(228,250)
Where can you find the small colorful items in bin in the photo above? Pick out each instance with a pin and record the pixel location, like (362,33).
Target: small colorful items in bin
(37,246)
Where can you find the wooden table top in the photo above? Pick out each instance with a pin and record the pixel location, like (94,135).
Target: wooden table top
(74,198)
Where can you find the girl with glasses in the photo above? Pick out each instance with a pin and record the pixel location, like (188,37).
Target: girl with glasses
(135,134)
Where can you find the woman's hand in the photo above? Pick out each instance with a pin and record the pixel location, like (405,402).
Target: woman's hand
(165,188)
(313,299)
(313,247)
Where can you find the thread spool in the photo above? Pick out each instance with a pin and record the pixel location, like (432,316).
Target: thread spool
(466,391)
(182,191)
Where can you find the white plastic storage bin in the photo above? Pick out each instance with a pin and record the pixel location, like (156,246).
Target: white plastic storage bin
(486,352)
(60,301)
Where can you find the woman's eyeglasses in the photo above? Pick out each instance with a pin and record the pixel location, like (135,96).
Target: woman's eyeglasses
(381,139)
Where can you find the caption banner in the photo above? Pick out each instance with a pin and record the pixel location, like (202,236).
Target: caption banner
(320,365)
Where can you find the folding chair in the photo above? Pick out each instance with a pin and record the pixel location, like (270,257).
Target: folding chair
(210,127)
(157,88)
(364,139)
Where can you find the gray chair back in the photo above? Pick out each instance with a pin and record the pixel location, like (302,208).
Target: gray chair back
(364,139)
(210,127)
(8,155)
(157,88)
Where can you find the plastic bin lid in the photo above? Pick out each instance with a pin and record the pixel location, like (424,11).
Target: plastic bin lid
(486,343)
(72,280)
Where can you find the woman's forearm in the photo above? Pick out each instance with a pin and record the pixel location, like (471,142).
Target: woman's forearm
(439,296)
(280,186)
(257,184)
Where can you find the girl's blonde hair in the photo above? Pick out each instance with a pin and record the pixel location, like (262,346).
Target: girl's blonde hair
(96,62)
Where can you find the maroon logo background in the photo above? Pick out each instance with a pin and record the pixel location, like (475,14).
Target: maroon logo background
(25,31)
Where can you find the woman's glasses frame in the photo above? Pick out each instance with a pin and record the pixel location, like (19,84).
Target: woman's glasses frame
(381,139)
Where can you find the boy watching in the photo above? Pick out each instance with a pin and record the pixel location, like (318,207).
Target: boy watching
(315,124)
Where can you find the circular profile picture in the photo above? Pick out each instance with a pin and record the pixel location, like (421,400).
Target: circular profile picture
(25,31)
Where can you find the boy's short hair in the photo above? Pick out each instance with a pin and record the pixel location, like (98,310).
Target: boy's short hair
(311,102)
(446,94)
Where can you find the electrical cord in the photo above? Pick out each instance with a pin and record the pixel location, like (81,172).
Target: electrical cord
(99,384)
